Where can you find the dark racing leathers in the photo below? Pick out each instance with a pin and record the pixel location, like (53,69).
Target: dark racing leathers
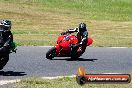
(5,41)
(82,40)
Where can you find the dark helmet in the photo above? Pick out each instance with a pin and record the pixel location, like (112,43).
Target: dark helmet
(5,25)
(82,27)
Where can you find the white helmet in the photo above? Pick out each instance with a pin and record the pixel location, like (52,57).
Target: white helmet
(5,25)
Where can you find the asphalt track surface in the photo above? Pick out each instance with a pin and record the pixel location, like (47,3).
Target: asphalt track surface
(31,62)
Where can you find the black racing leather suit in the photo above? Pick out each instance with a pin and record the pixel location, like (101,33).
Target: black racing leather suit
(5,41)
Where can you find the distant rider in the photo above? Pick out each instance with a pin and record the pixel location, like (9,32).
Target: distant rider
(82,35)
(6,37)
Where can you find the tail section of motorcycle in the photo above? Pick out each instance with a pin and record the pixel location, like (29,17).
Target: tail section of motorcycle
(90,41)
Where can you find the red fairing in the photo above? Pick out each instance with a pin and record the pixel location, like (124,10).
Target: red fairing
(73,39)
(57,48)
(60,38)
(90,41)
(63,44)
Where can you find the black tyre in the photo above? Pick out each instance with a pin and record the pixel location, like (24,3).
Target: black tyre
(81,80)
(3,60)
(75,55)
(51,53)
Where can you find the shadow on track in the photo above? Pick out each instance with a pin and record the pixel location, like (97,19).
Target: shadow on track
(79,59)
(11,73)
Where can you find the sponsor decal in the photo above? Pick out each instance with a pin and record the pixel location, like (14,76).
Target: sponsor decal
(83,78)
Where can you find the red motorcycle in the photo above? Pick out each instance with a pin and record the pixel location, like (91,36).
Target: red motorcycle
(63,47)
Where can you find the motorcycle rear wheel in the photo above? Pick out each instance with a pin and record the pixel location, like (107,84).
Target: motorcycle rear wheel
(3,60)
(76,55)
(51,53)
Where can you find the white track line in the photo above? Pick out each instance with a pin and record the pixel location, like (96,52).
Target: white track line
(3,82)
(56,77)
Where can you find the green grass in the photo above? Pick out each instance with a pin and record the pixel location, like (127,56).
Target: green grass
(93,9)
(39,22)
(64,83)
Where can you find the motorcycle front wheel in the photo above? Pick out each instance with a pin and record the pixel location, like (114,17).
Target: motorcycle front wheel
(3,60)
(51,53)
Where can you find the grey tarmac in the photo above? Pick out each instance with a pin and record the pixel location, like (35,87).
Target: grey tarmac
(30,61)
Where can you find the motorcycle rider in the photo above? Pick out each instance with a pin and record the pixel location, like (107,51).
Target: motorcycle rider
(6,37)
(82,35)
